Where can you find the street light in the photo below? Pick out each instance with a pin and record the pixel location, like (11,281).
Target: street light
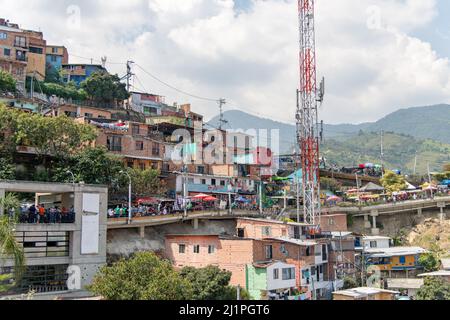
(129,195)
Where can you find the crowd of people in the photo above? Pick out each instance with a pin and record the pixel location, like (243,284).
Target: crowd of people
(140,211)
(40,214)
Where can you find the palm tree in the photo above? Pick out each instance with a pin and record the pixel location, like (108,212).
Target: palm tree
(9,247)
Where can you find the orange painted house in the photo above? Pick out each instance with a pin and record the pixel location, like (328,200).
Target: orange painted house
(234,254)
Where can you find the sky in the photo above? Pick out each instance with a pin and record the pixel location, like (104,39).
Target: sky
(376,56)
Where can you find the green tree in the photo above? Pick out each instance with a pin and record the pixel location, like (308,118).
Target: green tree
(7,169)
(53,75)
(434,289)
(56,136)
(147,182)
(9,247)
(393,182)
(429,261)
(92,165)
(350,283)
(104,88)
(208,283)
(7,82)
(143,277)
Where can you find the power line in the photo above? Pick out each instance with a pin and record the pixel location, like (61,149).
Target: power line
(95,60)
(176,89)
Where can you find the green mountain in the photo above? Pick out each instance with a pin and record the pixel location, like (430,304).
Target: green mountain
(422,129)
(432,122)
(399,152)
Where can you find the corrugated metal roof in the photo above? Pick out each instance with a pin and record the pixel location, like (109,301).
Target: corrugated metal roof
(405,283)
(298,242)
(394,252)
(442,273)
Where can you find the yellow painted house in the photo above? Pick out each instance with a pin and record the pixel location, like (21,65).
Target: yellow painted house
(394,259)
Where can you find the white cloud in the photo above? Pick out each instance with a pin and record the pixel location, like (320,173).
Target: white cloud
(365,49)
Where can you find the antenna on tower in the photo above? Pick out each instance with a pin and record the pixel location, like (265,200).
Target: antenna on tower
(321,94)
(307,115)
(222,121)
(104,59)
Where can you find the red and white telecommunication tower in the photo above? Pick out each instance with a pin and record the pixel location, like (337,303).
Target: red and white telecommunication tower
(308,129)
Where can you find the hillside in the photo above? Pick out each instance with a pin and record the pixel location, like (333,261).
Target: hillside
(431,122)
(425,130)
(399,152)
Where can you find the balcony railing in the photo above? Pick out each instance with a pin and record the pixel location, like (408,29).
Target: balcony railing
(47,218)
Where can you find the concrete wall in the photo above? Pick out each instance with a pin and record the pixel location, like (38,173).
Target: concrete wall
(392,223)
(256,281)
(124,242)
(88,263)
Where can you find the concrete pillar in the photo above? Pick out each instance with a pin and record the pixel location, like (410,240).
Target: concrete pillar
(195,224)
(419,212)
(367,222)
(2,195)
(142,232)
(375,230)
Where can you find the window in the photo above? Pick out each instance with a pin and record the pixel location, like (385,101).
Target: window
(211,249)
(142,166)
(266,231)
(54,50)
(53,58)
(241,233)
(203,181)
(191,180)
(36,50)
(269,252)
(135,129)
(20,55)
(308,251)
(197,249)
(139,145)
(222,183)
(373,244)
(324,252)
(130,164)
(3,36)
(289,274)
(276,274)
(182,248)
(114,143)
(7,52)
(321,269)
(155,149)
(88,115)
(20,42)
(201,170)
(213,182)
(296,232)
(402,260)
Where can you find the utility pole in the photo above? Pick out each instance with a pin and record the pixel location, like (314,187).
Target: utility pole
(415,164)
(357,187)
(129,74)
(222,121)
(430,180)
(382,152)
(32,86)
(260,196)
